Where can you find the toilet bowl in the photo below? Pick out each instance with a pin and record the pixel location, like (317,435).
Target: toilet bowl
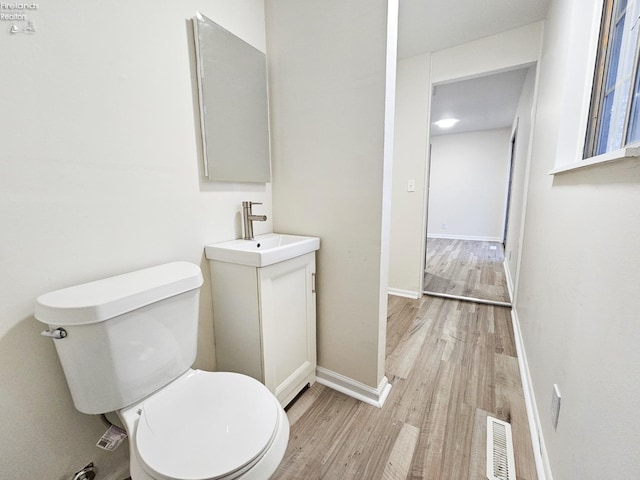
(127,343)
(207,425)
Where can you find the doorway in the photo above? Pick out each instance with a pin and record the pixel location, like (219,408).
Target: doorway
(469,191)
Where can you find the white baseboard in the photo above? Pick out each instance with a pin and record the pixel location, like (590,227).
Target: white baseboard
(398,292)
(543,467)
(464,237)
(353,388)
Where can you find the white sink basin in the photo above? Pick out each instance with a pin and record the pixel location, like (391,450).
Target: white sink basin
(263,250)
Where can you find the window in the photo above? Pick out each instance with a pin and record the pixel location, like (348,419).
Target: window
(614,115)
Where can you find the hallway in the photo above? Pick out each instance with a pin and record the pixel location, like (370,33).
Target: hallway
(466,268)
(451,364)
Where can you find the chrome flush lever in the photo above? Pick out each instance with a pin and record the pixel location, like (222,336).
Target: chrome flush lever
(57,334)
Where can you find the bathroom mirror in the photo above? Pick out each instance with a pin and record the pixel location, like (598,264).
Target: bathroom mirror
(232,86)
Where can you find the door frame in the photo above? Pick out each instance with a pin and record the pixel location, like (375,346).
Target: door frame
(512,157)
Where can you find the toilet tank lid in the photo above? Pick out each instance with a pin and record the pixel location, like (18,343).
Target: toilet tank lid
(107,298)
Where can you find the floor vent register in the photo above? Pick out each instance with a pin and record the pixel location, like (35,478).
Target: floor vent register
(500,459)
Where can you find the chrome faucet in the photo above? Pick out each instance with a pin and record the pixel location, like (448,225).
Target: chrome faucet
(248,218)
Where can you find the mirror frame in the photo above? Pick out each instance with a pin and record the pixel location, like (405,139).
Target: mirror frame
(233,99)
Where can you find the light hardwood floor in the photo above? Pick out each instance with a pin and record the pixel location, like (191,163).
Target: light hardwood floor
(451,363)
(466,268)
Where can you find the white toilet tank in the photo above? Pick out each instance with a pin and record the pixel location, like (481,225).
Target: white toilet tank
(126,336)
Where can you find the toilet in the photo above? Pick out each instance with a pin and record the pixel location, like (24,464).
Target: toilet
(127,344)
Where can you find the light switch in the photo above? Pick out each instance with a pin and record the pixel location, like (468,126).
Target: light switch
(411,186)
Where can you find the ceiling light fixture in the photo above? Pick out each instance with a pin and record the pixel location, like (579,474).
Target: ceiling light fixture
(447,122)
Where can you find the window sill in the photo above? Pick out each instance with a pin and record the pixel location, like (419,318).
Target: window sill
(630,151)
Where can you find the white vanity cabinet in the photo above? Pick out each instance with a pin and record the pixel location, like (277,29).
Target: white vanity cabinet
(265,322)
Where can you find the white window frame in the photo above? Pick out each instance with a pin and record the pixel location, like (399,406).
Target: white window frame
(621,95)
(581,160)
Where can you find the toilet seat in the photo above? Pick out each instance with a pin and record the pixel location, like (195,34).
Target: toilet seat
(207,426)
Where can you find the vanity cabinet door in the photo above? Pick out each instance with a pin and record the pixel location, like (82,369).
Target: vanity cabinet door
(288,323)
(236,319)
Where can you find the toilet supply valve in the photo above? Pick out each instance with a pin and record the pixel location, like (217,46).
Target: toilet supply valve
(87,473)
(57,334)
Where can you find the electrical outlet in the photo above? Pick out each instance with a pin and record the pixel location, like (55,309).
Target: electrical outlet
(443,226)
(555,406)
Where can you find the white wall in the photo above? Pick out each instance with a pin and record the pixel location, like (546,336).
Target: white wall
(327,77)
(100,174)
(504,51)
(408,222)
(577,300)
(468,193)
(512,49)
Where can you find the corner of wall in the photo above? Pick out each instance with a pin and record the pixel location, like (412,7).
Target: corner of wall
(372,396)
